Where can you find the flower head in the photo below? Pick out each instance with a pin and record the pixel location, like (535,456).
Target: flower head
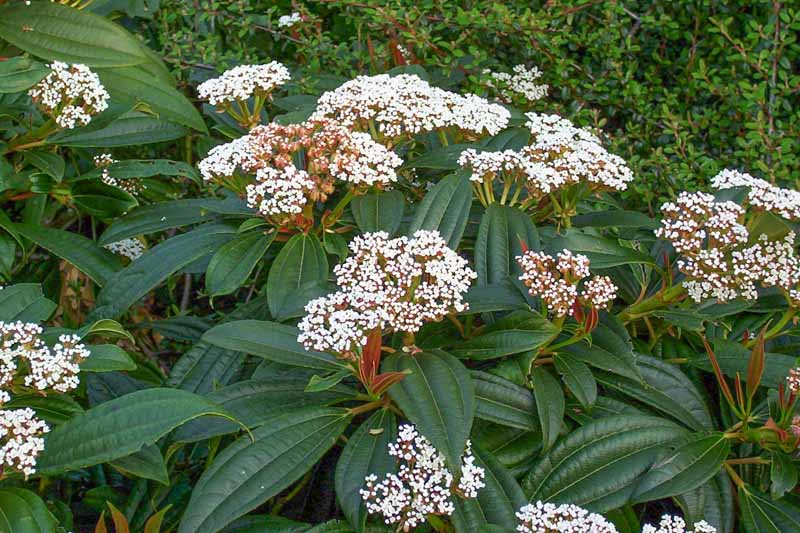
(423,485)
(392,284)
(521,82)
(20,439)
(541,517)
(244,81)
(761,195)
(104,161)
(555,280)
(676,524)
(71,94)
(287,21)
(408,105)
(131,248)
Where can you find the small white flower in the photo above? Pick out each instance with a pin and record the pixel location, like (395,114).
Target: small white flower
(287,21)
(762,194)
(676,524)
(131,248)
(522,81)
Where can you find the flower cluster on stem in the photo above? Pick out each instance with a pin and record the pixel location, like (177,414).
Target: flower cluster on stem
(423,484)
(719,256)
(541,517)
(761,195)
(394,285)
(104,161)
(132,248)
(561,165)
(676,524)
(555,280)
(294,165)
(406,105)
(70,94)
(521,84)
(27,364)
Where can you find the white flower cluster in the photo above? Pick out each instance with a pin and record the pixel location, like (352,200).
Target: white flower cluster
(571,155)
(331,153)
(287,21)
(715,257)
(244,81)
(559,155)
(391,284)
(131,186)
(793,380)
(45,369)
(522,81)
(71,94)
(541,517)
(423,486)
(555,280)
(676,524)
(131,248)
(20,435)
(762,194)
(408,105)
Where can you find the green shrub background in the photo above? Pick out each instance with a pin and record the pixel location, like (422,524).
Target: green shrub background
(682,88)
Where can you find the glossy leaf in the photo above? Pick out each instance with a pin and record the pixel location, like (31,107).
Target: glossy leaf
(366,452)
(521,331)
(107,358)
(233,263)
(250,472)
(20,73)
(762,514)
(301,261)
(578,379)
(147,463)
(445,208)
(25,302)
(503,402)
(380,211)
(597,466)
(549,403)
(119,427)
(438,397)
(503,234)
(23,511)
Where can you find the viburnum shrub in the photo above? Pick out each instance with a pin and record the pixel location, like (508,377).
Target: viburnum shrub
(393,306)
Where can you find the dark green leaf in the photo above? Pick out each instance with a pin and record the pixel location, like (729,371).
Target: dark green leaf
(783,475)
(147,463)
(23,511)
(20,73)
(366,452)
(578,379)
(107,358)
(250,472)
(733,359)
(380,211)
(100,200)
(446,209)
(232,264)
(521,331)
(549,404)
(503,402)
(302,260)
(503,234)
(25,302)
(761,514)
(438,397)
(132,128)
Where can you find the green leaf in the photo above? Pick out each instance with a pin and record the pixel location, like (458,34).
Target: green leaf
(23,511)
(232,264)
(502,496)
(610,350)
(733,359)
(153,218)
(366,452)
(550,404)
(250,472)
(301,261)
(20,73)
(783,475)
(760,514)
(7,225)
(105,328)
(119,427)
(502,234)
(54,409)
(380,211)
(494,297)
(689,465)
(49,163)
(127,286)
(615,218)
(578,379)
(107,358)
(602,252)
(25,302)
(501,401)
(272,341)
(598,465)
(442,158)
(445,208)
(521,331)
(132,128)
(131,85)
(255,402)
(147,463)
(96,262)
(54,31)
(147,168)
(100,200)
(438,397)
(665,389)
